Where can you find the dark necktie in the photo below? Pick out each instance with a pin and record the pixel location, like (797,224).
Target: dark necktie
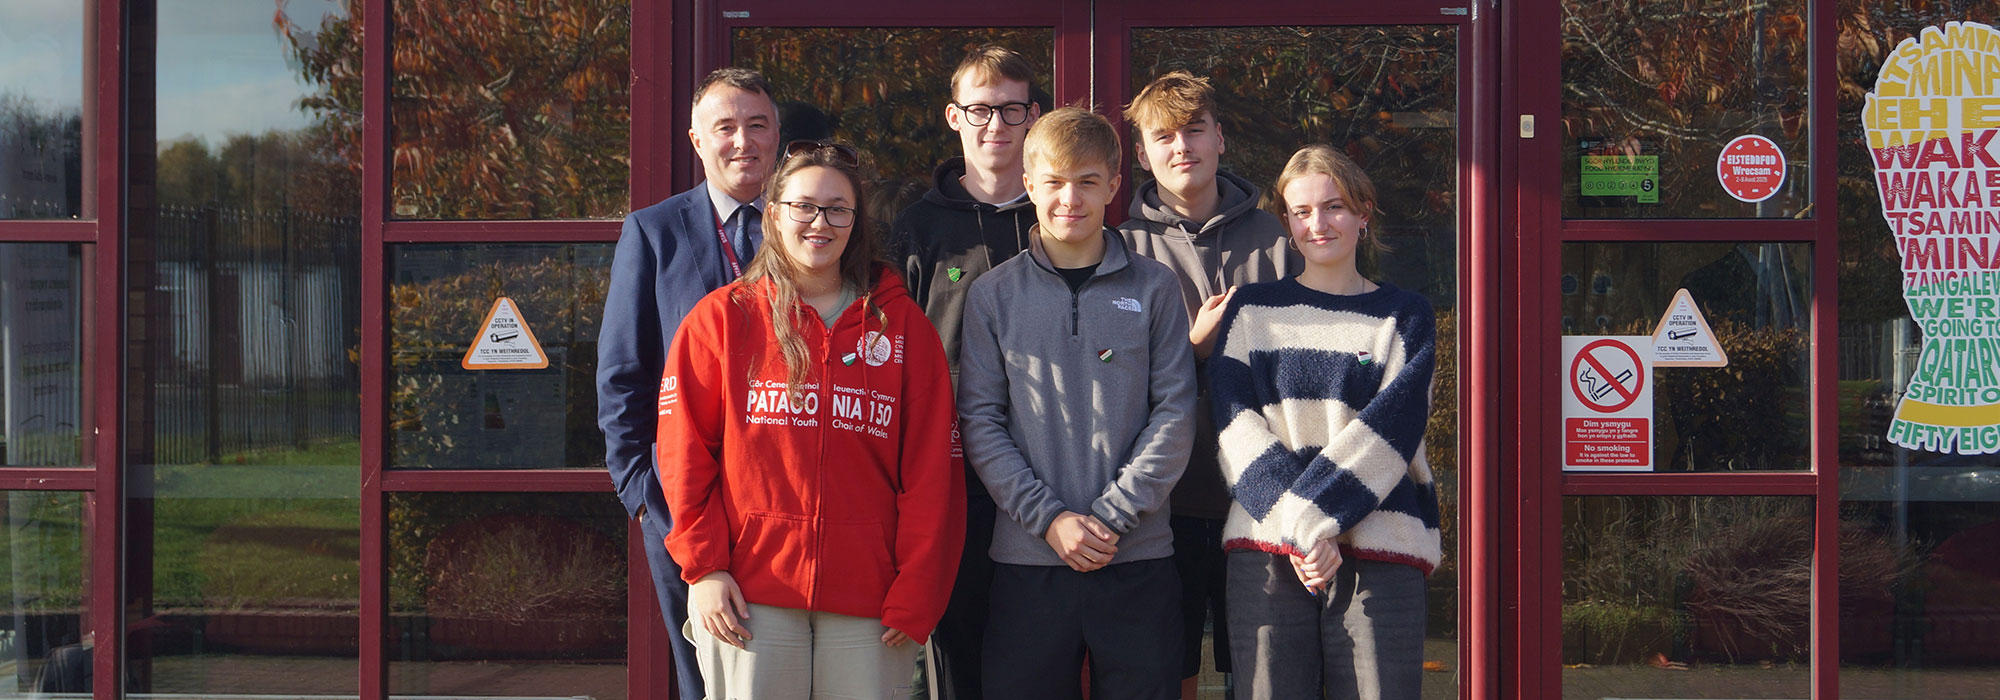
(746,231)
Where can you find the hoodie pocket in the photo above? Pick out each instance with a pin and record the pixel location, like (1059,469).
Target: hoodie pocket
(772,543)
(858,560)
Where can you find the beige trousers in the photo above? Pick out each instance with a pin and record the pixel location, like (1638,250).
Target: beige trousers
(800,654)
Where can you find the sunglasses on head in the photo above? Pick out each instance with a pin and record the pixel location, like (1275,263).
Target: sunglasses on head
(847,154)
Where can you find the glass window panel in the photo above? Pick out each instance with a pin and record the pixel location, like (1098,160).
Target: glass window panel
(1718,586)
(42,45)
(243,414)
(250,574)
(1756,297)
(883,90)
(443,415)
(1389,96)
(44,608)
(507,594)
(42,419)
(1920,528)
(1653,91)
(511,110)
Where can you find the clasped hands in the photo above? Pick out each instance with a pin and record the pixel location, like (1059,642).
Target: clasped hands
(1084,542)
(1315,569)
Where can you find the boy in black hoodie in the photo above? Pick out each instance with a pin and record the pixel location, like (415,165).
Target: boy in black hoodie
(1204,223)
(976,216)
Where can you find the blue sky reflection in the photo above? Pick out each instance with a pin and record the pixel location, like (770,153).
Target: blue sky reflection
(224,69)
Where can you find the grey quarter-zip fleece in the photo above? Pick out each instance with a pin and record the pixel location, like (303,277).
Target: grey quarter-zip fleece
(1080,401)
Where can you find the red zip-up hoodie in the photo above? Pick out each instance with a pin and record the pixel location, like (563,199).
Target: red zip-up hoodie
(848,498)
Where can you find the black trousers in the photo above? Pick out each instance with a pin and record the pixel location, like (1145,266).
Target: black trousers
(957,646)
(1127,616)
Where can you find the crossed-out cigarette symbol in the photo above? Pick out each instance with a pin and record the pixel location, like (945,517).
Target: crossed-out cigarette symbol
(1597,387)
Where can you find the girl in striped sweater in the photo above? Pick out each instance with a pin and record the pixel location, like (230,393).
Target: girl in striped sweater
(1321,390)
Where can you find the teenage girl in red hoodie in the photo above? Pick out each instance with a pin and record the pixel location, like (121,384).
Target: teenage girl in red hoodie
(809,456)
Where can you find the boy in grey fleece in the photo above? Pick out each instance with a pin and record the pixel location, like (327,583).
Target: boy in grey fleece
(1081,402)
(1076,396)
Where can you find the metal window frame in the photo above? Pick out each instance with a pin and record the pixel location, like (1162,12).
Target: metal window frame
(98,232)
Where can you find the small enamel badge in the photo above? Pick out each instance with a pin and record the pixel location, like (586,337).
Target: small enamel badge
(1104,355)
(954,273)
(1365,358)
(849,358)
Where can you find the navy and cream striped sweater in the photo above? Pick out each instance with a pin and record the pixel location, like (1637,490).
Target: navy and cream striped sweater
(1320,404)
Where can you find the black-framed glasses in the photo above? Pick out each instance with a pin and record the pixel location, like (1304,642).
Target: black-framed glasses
(848,155)
(977,114)
(805,212)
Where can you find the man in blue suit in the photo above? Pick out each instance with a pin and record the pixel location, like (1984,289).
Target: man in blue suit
(670,255)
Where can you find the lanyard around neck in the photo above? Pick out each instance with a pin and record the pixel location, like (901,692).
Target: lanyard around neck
(728,248)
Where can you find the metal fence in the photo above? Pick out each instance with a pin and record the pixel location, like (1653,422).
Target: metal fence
(1881,350)
(257,313)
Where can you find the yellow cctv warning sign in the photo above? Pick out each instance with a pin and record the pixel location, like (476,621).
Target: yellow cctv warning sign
(504,341)
(1683,338)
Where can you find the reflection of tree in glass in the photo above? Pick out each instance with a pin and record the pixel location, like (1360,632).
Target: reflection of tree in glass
(510,110)
(1686,78)
(424,577)
(1710,578)
(277,170)
(1387,95)
(1441,452)
(520,568)
(44,143)
(884,90)
(1751,415)
(433,320)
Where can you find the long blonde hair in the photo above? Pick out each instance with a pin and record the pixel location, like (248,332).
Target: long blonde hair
(775,263)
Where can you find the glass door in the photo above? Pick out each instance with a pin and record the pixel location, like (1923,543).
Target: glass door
(1388,88)
(1686,530)
(1388,91)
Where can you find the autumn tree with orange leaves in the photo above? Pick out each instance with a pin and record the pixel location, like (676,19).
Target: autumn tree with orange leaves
(513,109)
(1679,80)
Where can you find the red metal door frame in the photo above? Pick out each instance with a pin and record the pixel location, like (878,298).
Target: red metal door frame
(99,233)
(1479,265)
(1537,486)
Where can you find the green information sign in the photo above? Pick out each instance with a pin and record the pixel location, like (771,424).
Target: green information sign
(1622,176)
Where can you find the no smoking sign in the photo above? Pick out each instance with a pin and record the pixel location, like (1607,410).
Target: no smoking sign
(1607,404)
